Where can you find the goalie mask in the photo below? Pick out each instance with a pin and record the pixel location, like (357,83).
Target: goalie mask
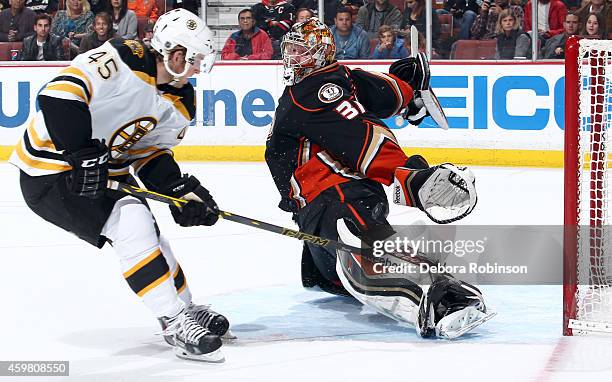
(307,47)
(181,28)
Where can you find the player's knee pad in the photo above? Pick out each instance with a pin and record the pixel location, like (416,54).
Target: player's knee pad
(131,229)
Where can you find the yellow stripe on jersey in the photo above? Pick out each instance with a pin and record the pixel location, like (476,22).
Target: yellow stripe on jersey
(113,172)
(155,283)
(137,165)
(176,101)
(145,77)
(39,143)
(38,164)
(71,70)
(68,87)
(142,263)
(143,151)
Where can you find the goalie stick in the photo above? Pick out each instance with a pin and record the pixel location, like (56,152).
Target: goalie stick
(317,240)
(430,101)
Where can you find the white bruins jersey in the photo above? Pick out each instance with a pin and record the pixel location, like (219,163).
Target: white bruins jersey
(117,83)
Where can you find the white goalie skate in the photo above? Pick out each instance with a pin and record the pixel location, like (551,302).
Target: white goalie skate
(460,322)
(450,309)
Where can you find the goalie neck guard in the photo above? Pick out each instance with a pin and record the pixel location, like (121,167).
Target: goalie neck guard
(307,47)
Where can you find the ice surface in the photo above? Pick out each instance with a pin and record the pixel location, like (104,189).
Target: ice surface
(65,300)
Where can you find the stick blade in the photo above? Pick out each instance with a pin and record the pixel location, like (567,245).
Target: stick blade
(414,41)
(433,108)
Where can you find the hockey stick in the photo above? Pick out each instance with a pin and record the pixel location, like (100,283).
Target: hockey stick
(428,97)
(177,202)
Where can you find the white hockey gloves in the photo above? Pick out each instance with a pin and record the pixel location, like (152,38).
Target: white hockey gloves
(445,193)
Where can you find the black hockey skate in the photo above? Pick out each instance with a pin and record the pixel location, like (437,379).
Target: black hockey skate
(214,322)
(191,340)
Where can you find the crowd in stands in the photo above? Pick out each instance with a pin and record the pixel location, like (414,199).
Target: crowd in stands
(377,29)
(363,29)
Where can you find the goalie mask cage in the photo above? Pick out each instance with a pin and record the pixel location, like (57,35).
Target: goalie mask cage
(587,284)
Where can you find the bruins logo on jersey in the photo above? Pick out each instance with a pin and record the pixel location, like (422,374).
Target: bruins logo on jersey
(129,134)
(135,47)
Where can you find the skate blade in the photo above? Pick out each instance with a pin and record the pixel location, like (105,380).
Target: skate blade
(229,336)
(214,357)
(472,316)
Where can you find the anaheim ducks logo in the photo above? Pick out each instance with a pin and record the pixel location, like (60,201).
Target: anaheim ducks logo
(191,24)
(129,134)
(330,93)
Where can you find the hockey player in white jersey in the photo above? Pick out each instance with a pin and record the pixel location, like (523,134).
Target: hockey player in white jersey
(118,109)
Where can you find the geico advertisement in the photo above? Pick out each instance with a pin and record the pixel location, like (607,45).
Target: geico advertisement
(488,106)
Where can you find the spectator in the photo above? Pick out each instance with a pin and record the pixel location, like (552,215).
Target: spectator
(125,22)
(555,46)
(249,43)
(351,40)
(330,7)
(303,14)
(42,46)
(414,14)
(75,22)
(593,27)
(16,22)
(192,6)
(512,42)
(597,6)
(274,17)
(98,6)
(144,9)
(372,16)
(42,6)
(551,14)
(148,35)
(464,12)
(389,45)
(486,22)
(102,32)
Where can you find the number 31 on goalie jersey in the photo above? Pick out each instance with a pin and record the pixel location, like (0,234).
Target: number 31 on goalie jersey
(349,109)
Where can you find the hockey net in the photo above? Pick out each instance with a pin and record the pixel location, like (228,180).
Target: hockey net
(587,242)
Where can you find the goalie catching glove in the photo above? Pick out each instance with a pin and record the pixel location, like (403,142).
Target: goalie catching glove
(445,193)
(201,208)
(89,175)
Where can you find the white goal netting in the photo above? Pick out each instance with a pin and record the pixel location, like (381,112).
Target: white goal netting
(594,252)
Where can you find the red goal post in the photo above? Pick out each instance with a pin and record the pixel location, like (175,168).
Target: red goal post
(587,284)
